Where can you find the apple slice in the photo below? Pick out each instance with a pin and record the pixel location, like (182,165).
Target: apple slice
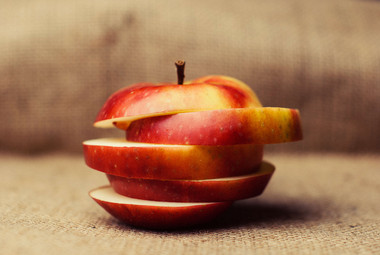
(154,214)
(156,161)
(147,99)
(263,125)
(211,190)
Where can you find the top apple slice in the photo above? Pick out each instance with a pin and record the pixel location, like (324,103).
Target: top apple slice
(144,100)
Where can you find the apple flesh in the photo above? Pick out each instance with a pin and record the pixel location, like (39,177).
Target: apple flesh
(147,99)
(154,214)
(156,161)
(211,190)
(263,125)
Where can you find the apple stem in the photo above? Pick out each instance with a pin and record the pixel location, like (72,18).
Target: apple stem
(180,65)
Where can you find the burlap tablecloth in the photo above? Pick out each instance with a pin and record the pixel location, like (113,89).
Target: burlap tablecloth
(314,204)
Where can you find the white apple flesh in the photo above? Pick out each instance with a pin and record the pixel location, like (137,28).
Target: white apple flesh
(154,214)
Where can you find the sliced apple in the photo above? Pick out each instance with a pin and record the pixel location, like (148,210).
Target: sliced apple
(211,190)
(147,99)
(154,214)
(155,161)
(263,125)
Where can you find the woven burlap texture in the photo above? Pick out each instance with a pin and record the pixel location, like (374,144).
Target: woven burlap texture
(314,204)
(60,60)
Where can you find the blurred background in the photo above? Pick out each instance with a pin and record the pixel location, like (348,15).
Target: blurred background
(60,60)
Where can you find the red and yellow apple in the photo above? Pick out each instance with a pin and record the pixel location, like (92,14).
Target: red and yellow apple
(208,190)
(158,161)
(155,214)
(190,150)
(264,125)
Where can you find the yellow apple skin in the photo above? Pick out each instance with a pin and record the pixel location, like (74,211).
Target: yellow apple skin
(264,125)
(147,99)
(118,157)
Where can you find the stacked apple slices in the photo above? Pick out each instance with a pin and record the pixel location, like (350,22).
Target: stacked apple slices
(190,150)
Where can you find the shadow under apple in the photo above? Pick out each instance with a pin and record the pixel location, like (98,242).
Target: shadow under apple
(253,212)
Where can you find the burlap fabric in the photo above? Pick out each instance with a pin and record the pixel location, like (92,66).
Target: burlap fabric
(60,60)
(314,204)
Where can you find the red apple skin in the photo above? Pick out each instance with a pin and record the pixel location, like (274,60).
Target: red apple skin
(264,125)
(146,99)
(212,190)
(176,162)
(227,81)
(161,217)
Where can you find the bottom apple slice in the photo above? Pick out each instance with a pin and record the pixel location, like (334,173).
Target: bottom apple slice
(215,190)
(154,214)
